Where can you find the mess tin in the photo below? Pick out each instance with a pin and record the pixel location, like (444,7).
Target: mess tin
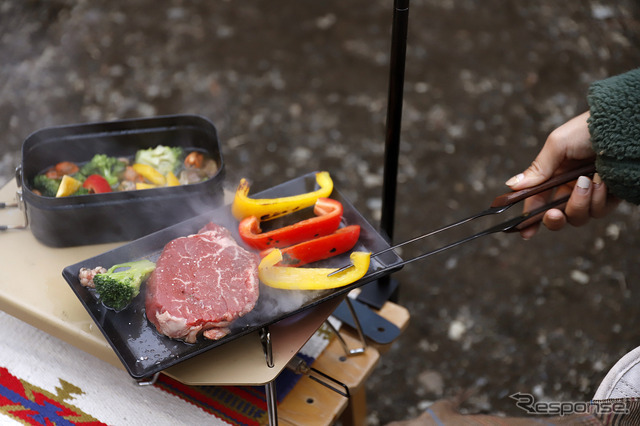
(115,216)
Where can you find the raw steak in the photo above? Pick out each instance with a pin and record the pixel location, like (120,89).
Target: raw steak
(201,283)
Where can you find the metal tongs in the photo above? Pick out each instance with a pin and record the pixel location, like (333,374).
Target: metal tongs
(499,205)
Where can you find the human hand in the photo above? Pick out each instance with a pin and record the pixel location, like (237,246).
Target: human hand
(566,147)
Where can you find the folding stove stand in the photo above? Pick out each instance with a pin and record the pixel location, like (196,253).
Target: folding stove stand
(299,367)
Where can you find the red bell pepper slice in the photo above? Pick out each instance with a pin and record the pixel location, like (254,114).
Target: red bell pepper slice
(328,216)
(341,241)
(96,184)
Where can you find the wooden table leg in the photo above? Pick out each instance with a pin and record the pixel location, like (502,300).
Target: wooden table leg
(356,412)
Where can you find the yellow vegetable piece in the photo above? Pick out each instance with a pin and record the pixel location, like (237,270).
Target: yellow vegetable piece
(144,185)
(150,174)
(271,208)
(172,180)
(68,186)
(287,278)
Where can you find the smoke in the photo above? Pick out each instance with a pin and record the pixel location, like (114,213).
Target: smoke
(275,303)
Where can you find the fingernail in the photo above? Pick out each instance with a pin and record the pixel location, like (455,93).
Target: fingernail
(515,179)
(555,214)
(583,184)
(597,180)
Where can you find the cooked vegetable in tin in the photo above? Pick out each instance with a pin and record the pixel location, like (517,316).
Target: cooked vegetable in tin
(149,168)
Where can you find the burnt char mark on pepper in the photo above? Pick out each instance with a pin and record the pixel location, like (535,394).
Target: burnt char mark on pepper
(270,216)
(287,260)
(271,241)
(333,250)
(278,214)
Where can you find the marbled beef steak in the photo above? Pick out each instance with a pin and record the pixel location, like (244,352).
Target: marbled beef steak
(201,283)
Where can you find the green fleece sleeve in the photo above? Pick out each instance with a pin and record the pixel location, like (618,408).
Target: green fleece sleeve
(614,125)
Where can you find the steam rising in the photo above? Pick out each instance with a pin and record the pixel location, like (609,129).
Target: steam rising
(274,303)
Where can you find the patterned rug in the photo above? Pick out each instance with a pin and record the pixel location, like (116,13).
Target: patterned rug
(45,381)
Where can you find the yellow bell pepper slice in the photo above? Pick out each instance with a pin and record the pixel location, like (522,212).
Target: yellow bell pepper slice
(144,185)
(68,186)
(287,278)
(150,174)
(272,208)
(172,180)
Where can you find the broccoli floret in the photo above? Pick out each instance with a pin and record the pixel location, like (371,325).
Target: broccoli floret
(48,187)
(81,191)
(103,165)
(118,287)
(164,159)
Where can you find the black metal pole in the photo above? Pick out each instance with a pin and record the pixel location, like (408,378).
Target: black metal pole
(394,114)
(376,293)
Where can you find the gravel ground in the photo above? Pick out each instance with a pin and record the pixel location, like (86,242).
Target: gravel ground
(297,86)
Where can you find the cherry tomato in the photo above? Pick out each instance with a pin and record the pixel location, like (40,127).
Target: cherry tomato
(66,168)
(52,174)
(194,159)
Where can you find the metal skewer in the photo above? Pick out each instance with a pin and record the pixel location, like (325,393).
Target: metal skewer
(499,205)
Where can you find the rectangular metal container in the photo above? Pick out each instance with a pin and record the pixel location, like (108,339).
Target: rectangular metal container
(115,216)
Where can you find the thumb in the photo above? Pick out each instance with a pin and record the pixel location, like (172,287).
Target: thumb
(537,173)
(569,141)
(542,168)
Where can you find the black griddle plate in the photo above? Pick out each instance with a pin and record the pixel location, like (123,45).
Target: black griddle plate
(144,351)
